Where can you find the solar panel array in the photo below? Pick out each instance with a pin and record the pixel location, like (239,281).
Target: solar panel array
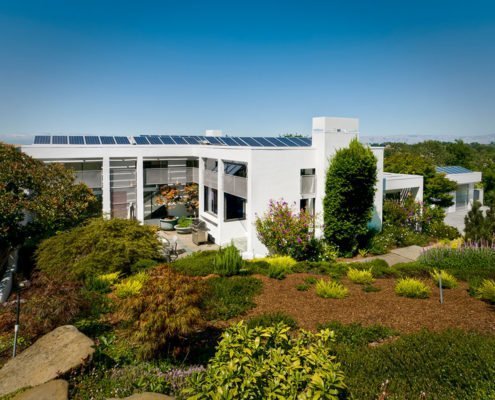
(176,140)
(453,169)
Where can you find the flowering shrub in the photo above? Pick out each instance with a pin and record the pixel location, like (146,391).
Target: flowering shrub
(267,363)
(285,231)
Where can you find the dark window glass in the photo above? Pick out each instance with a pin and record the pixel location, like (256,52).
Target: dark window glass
(206,202)
(308,171)
(235,169)
(214,201)
(235,207)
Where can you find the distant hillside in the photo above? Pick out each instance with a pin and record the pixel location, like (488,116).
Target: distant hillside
(411,139)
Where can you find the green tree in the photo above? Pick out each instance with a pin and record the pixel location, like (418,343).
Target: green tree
(47,193)
(349,196)
(437,188)
(478,226)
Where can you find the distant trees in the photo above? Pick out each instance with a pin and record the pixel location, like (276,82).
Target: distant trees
(349,196)
(47,193)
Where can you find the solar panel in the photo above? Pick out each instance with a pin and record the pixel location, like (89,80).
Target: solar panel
(230,141)
(276,142)
(298,141)
(179,140)
(59,140)
(453,169)
(213,140)
(92,139)
(107,140)
(122,140)
(288,142)
(307,141)
(240,141)
(154,140)
(141,140)
(191,139)
(76,140)
(264,142)
(167,140)
(42,140)
(251,141)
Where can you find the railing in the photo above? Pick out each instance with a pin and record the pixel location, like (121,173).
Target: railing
(171,175)
(308,184)
(92,178)
(235,185)
(211,179)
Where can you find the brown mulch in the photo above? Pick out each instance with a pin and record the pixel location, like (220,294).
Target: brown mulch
(384,307)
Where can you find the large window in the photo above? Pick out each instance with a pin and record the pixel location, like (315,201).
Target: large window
(235,169)
(211,200)
(308,205)
(235,207)
(155,164)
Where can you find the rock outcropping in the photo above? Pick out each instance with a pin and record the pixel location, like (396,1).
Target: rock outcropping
(57,389)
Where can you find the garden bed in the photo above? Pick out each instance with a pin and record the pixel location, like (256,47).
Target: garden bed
(383,307)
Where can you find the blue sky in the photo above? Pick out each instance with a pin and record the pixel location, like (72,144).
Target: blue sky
(248,68)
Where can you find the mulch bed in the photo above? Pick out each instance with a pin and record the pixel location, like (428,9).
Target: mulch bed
(384,307)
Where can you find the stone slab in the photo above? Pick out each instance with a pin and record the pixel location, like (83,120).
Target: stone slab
(57,389)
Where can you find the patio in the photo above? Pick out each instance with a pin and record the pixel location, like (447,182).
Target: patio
(185,245)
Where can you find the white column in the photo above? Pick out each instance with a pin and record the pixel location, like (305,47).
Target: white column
(221,201)
(201,185)
(140,189)
(105,187)
(251,230)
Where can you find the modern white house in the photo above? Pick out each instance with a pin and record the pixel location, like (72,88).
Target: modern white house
(236,176)
(466,193)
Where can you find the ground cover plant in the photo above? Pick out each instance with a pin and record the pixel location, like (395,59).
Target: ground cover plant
(448,280)
(356,334)
(228,261)
(229,297)
(270,319)
(331,289)
(247,360)
(199,263)
(361,277)
(486,291)
(446,365)
(413,288)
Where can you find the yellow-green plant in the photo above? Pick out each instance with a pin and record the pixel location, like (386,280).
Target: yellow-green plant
(331,289)
(486,291)
(110,278)
(448,280)
(269,363)
(361,277)
(228,261)
(410,287)
(280,266)
(131,286)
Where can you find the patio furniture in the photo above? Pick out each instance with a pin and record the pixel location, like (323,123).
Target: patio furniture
(199,232)
(169,249)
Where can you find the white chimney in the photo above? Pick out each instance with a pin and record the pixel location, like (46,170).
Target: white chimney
(213,132)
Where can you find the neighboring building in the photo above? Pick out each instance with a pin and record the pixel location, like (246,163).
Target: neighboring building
(401,186)
(236,176)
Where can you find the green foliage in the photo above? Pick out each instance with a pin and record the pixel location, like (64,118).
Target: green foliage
(310,280)
(411,269)
(356,334)
(448,280)
(349,196)
(228,261)
(271,319)
(48,192)
(479,227)
(286,231)
(377,267)
(361,277)
(143,264)
(267,363)
(229,297)
(280,266)
(101,246)
(199,263)
(131,286)
(303,287)
(166,309)
(448,365)
(331,289)
(486,291)
(413,288)
(102,283)
(184,222)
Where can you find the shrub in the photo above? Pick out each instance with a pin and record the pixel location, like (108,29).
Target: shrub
(410,287)
(377,267)
(277,271)
(448,280)
(102,283)
(410,269)
(228,261)
(257,266)
(99,247)
(280,266)
(448,365)
(349,196)
(166,310)
(266,363)
(356,334)
(271,319)
(285,230)
(200,263)
(331,289)
(131,286)
(486,291)
(361,277)
(143,264)
(229,297)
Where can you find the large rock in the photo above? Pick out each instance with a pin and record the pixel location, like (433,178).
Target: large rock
(57,389)
(147,396)
(54,354)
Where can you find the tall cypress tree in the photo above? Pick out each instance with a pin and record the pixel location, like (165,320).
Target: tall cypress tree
(349,196)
